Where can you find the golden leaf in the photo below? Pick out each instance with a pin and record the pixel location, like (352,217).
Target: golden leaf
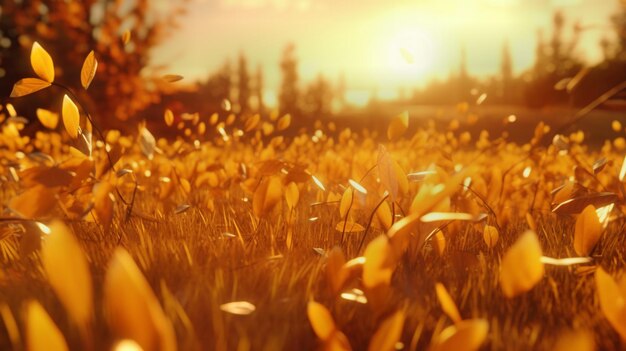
(41,332)
(349,227)
(490,235)
(283,122)
(387,172)
(103,201)
(36,202)
(168,116)
(398,126)
(383,213)
(321,321)
(346,202)
(379,262)
(241,308)
(587,231)
(466,335)
(147,143)
(447,304)
(172,78)
(48,118)
(521,268)
(28,86)
(68,273)
(388,333)
(292,195)
(88,72)
(266,196)
(132,310)
(42,63)
(334,272)
(71,117)
(612,301)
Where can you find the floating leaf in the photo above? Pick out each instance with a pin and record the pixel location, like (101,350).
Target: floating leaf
(521,268)
(172,78)
(68,273)
(71,117)
(577,204)
(88,72)
(588,231)
(490,235)
(41,332)
(147,143)
(388,333)
(398,126)
(168,116)
(569,261)
(318,183)
(612,301)
(132,310)
(448,216)
(447,304)
(241,308)
(47,118)
(284,122)
(42,63)
(349,227)
(358,187)
(321,321)
(267,195)
(28,86)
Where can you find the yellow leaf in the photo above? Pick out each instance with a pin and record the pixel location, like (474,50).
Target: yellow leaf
(132,310)
(321,321)
(266,196)
(612,301)
(172,78)
(241,308)
(34,203)
(388,333)
(71,117)
(168,116)
(334,272)
(283,122)
(587,232)
(349,227)
(466,335)
(41,332)
(387,172)
(346,202)
(103,201)
(88,72)
(42,63)
(292,195)
(48,118)
(398,126)
(28,86)
(383,213)
(521,268)
(447,304)
(68,273)
(252,122)
(490,235)
(379,262)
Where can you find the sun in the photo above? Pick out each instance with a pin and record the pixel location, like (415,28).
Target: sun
(411,53)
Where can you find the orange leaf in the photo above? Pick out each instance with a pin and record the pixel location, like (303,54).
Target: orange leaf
(88,72)
(71,117)
(587,232)
(42,63)
(28,86)
(447,304)
(521,268)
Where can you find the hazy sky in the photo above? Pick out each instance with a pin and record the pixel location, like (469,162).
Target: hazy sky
(366,39)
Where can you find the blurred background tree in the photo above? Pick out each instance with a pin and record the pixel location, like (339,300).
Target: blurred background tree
(69,30)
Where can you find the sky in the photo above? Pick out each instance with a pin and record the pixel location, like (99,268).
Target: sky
(380,45)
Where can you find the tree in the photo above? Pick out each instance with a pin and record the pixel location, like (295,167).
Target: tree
(69,30)
(506,74)
(243,85)
(258,88)
(318,98)
(289,93)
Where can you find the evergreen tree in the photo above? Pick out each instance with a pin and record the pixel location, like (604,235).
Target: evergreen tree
(289,95)
(243,85)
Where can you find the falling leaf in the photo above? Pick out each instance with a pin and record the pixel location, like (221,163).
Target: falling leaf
(521,268)
(349,227)
(168,116)
(358,187)
(172,78)
(68,273)
(147,143)
(569,261)
(386,172)
(71,117)
(467,335)
(88,72)
(132,310)
(587,232)
(284,122)
(181,208)
(41,332)
(388,333)
(490,235)
(398,126)
(448,216)
(577,204)
(42,63)
(241,308)
(318,183)
(28,86)
(447,304)
(47,118)
(612,301)
(266,196)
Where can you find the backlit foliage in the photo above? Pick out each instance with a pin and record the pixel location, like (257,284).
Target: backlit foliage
(237,236)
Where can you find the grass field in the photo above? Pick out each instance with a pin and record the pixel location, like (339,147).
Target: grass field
(235,237)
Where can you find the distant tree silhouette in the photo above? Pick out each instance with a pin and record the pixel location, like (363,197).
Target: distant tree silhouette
(289,93)
(243,85)
(68,30)
(258,89)
(318,98)
(506,75)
